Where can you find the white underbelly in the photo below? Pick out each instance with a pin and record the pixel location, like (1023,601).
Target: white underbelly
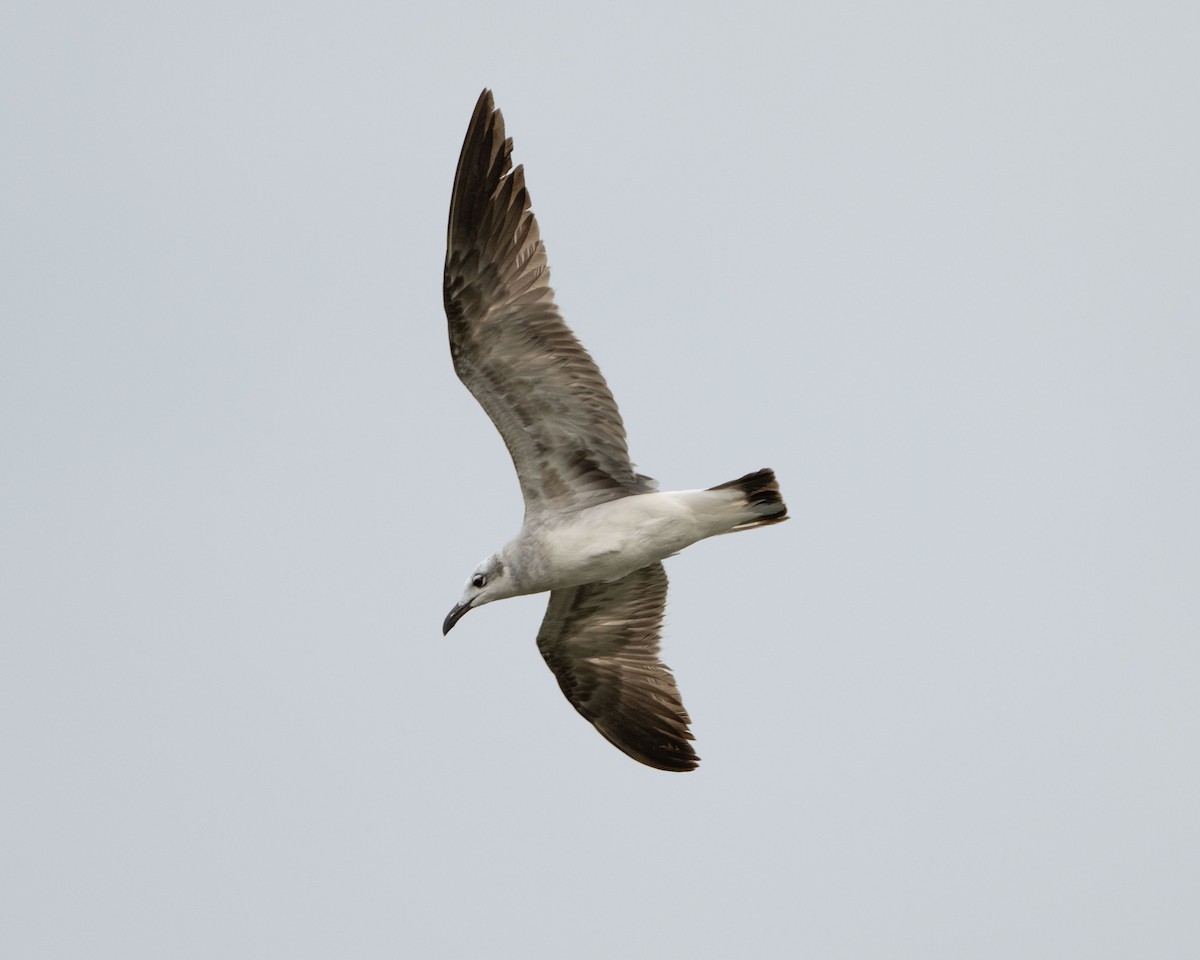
(612,540)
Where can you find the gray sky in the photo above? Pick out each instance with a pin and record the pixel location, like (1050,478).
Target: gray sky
(934,263)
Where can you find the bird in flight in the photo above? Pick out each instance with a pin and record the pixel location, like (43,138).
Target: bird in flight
(595,531)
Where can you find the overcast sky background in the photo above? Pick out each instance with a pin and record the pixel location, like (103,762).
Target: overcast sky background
(936,263)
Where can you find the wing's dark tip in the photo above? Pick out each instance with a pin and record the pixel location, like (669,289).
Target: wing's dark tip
(674,757)
(485,158)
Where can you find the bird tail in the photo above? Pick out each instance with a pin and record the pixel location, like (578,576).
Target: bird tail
(758,493)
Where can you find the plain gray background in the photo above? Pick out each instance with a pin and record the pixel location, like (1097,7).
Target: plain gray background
(936,263)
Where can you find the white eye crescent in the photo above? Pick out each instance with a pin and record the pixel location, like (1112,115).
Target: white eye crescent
(478,580)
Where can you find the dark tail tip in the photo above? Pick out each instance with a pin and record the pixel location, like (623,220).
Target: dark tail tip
(761,491)
(760,487)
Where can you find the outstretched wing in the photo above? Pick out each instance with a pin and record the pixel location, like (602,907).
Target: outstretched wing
(601,642)
(509,344)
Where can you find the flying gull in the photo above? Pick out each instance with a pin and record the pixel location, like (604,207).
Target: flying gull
(595,531)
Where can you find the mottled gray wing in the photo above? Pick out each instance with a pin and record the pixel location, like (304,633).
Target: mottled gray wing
(601,642)
(509,344)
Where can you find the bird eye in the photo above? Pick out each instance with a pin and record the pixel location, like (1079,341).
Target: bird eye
(478,580)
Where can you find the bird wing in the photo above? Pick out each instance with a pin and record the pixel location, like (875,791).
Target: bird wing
(510,346)
(601,642)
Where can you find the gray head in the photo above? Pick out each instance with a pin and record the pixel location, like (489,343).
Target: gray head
(491,580)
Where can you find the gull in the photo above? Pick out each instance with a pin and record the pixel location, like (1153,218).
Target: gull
(595,531)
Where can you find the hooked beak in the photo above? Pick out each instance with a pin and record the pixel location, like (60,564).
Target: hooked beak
(459,611)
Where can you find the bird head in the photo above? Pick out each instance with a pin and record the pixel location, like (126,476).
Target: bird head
(489,581)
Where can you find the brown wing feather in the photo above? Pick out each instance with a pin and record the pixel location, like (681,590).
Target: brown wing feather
(509,344)
(601,642)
